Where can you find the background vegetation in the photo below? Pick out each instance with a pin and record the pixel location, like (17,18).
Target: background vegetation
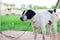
(30,6)
(36,7)
(12,22)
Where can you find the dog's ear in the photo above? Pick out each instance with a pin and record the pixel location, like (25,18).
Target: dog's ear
(30,14)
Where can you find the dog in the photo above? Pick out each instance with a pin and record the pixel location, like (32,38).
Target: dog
(39,19)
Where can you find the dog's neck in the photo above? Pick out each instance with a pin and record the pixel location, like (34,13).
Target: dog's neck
(33,19)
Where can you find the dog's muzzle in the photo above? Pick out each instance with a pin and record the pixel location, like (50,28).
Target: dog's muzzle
(21,19)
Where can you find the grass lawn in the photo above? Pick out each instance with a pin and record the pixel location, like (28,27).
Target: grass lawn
(14,23)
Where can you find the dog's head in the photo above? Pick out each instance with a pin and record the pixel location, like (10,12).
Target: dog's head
(27,14)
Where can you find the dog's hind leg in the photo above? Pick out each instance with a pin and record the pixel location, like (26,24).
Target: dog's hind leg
(50,30)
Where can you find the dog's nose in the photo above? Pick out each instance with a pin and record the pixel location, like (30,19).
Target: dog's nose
(21,19)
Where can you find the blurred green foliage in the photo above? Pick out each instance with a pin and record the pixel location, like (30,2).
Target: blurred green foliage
(12,22)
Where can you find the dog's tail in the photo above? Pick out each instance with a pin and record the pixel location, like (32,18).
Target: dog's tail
(56,6)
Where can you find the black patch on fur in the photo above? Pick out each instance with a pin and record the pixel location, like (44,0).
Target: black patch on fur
(50,11)
(54,10)
(30,14)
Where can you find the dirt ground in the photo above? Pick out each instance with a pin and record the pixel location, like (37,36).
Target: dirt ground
(26,36)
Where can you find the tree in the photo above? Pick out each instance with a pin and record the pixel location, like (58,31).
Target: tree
(30,6)
(23,7)
(12,5)
(36,7)
(43,7)
(59,6)
(52,7)
(5,4)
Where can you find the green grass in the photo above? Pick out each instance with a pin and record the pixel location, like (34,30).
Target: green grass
(14,23)
(58,26)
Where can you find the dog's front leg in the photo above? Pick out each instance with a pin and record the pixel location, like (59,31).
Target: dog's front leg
(44,32)
(35,33)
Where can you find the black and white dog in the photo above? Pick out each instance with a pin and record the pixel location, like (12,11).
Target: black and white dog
(40,19)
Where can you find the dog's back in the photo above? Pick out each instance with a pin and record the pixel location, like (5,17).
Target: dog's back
(43,17)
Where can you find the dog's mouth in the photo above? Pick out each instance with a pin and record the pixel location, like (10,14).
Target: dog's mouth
(21,19)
